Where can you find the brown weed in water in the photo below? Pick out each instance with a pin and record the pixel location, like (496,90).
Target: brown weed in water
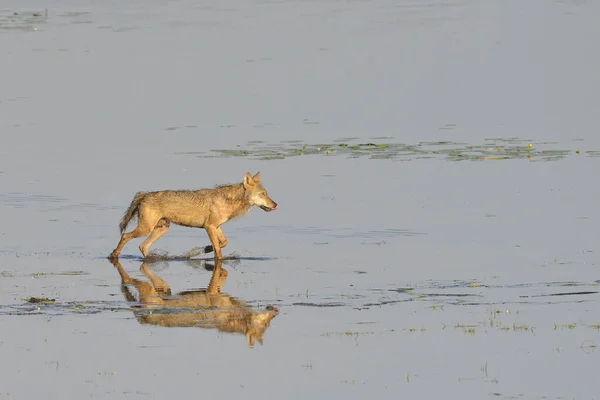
(39,300)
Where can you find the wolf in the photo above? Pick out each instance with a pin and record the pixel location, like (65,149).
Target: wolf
(204,308)
(204,208)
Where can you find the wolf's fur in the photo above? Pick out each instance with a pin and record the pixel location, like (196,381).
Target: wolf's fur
(204,208)
(207,308)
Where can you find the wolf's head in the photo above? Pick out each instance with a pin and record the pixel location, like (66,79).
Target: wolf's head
(256,192)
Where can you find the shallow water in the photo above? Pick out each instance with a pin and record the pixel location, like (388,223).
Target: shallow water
(433,161)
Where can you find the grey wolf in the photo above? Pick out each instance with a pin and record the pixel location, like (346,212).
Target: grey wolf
(204,208)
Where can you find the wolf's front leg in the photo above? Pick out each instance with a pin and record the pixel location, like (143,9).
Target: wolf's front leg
(213,235)
(222,241)
(221,237)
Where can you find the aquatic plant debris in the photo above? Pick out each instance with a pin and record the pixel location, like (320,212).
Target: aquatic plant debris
(24,20)
(39,300)
(492,149)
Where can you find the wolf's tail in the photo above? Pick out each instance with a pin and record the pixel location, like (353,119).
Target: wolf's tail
(133,208)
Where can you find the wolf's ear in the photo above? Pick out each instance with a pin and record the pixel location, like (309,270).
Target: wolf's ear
(248,181)
(256,177)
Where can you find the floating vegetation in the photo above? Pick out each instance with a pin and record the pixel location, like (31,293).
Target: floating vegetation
(522,327)
(470,331)
(565,326)
(491,149)
(38,275)
(22,20)
(39,300)
(348,333)
(51,307)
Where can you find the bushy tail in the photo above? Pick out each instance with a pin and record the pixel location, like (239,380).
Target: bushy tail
(133,208)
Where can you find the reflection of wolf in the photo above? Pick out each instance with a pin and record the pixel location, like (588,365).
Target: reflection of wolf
(207,308)
(205,208)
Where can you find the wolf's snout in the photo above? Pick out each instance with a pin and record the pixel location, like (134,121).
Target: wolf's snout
(268,208)
(273,309)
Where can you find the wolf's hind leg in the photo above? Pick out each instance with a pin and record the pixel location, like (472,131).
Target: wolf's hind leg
(161,227)
(146,223)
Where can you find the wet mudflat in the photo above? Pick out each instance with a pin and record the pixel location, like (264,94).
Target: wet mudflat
(435,166)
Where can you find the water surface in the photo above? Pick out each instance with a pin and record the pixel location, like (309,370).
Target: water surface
(433,162)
